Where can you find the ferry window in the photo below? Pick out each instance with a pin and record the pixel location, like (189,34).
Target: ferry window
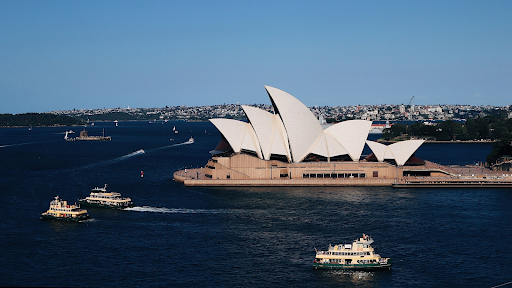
(228,176)
(375,173)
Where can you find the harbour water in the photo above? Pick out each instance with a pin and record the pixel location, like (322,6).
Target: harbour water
(238,237)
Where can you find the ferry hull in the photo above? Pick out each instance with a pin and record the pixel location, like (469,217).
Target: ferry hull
(352,267)
(101,205)
(65,219)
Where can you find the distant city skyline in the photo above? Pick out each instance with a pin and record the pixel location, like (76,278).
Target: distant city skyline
(324,113)
(62,55)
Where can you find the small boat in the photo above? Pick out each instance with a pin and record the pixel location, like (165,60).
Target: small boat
(99,197)
(174,129)
(359,255)
(116,122)
(60,210)
(190,141)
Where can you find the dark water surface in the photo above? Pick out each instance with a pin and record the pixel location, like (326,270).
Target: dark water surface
(238,237)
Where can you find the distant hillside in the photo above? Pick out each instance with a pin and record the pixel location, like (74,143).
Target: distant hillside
(37,119)
(121,116)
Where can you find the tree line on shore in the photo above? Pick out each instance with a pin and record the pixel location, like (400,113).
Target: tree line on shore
(37,119)
(495,127)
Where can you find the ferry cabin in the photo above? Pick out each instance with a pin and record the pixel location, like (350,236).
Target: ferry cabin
(113,197)
(359,254)
(60,209)
(343,254)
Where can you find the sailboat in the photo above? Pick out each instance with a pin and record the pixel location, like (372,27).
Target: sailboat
(174,129)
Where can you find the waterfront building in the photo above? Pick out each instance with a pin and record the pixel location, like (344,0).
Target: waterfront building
(290,145)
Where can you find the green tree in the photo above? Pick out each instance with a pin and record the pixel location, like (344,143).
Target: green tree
(394,131)
(501,148)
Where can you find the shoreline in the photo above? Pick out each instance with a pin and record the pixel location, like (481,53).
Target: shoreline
(443,142)
(99,121)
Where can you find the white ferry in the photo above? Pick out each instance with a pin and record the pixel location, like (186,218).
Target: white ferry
(359,255)
(99,197)
(61,210)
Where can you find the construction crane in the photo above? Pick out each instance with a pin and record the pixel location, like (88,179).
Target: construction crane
(410,102)
(405,111)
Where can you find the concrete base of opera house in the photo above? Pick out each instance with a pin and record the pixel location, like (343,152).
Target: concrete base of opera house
(407,182)
(181,176)
(245,170)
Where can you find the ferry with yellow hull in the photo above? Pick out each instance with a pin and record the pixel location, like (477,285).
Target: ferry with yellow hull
(99,197)
(62,211)
(359,255)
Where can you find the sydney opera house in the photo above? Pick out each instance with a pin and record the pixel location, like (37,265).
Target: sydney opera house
(291,148)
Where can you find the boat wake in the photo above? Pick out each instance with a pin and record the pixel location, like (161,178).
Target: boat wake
(173,145)
(89,220)
(28,143)
(172,210)
(138,152)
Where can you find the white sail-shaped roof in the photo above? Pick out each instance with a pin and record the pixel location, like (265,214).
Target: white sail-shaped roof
(400,151)
(293,131)
(280,140)
(388,154)
(239,135)
(404,149)
(351,135)
(263,124)
(335,148)
(301,125)
(320,147)
(378,149)
(270,132)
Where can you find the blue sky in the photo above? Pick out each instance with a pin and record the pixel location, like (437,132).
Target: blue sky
(59,55)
